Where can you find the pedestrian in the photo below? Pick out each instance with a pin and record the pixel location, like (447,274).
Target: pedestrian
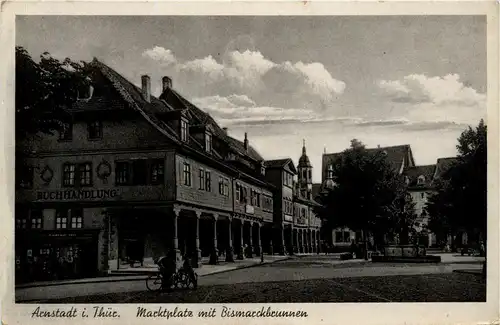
(168,266)
(262,257)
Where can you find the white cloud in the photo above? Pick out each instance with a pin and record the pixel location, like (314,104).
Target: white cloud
(238,109)
(283,84)
(436,99)
(160,54)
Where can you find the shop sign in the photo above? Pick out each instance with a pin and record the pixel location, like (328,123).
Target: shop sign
(76,195)
(249,209)
(288,217)
(70,234)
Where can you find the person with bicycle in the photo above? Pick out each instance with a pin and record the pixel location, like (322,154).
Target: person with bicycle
(187,267)
(168,267)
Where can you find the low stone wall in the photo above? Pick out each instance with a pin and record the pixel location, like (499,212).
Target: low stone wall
(404,251)
(407,259)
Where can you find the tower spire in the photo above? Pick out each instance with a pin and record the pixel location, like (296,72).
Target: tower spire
(303,146)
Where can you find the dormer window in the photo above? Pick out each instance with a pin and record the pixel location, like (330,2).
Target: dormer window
(85,92)
(208,142)
(407,180)
(184,130)
(421,180)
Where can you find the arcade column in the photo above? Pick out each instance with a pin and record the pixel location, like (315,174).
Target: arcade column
(197,257)
(214,254)
(229,253)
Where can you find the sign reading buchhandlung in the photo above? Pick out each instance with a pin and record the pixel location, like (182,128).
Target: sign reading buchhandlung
(76,194)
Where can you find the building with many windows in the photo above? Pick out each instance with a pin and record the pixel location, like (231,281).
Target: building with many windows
(129,177)
(420,181)
(296,225)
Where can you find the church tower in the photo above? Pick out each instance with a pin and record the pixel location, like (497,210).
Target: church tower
(304,170)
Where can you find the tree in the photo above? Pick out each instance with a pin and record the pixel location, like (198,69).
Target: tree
(43,90)
(459,203)
(369,195)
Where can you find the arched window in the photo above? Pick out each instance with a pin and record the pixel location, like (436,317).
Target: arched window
(421,180)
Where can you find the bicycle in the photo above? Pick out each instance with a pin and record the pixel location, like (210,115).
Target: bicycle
(180,279)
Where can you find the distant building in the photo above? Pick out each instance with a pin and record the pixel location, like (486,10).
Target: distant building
(297,226)
(399,157)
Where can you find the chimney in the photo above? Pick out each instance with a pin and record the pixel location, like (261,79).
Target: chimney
(245,142)
(378,146)
(146,88)
(225,130)
(166,83)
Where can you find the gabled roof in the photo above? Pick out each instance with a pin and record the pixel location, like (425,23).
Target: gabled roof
(169,102)
(443,165)
(397,156)
(413,173)
(133,97)
(276,163)
(281,163)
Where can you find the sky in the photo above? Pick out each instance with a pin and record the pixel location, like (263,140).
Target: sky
(386,80)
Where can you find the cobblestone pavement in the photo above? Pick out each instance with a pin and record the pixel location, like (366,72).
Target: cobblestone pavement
(311,279)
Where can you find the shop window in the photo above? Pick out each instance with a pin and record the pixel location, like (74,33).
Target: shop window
(122,174)
(61,219)
(187,174)
(21,223)
(36,219)
(208,181)
(339,236)
(347,237)
(66,132)
(201,177)
(157,171)
(94,129)
(140,171)
(76,218)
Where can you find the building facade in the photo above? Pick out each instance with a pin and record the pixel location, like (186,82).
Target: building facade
(420,181)
(297,225)
(129,177)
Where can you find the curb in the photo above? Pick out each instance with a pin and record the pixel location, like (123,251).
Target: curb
(135,277)
(473,272)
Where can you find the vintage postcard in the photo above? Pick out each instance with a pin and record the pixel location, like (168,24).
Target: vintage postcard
(250,162)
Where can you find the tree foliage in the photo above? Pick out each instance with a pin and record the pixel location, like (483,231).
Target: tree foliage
(459,203)
(43,90)
(369,195)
